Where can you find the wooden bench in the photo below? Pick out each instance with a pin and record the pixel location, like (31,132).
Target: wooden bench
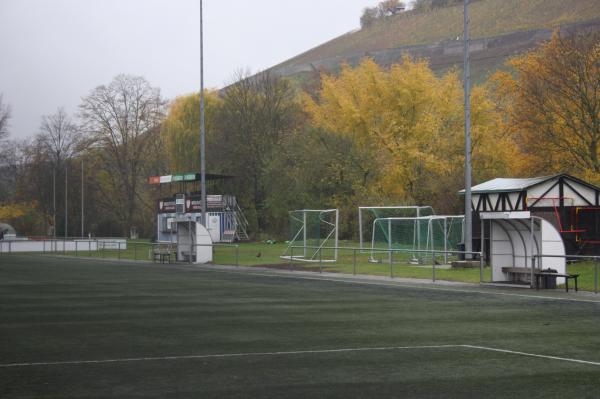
(515,272)
(162,252)
(567,277)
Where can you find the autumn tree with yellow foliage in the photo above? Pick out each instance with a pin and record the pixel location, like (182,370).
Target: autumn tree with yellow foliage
(552,105)
(411,124)
(180,130)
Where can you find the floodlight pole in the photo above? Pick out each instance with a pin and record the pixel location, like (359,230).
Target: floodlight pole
(54,201)
(82,213)
(202,127)
(66,201)
(467,86)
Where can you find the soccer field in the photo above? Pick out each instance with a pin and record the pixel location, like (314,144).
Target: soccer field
(74,328)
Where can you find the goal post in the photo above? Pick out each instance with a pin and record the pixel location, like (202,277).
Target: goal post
(367,214)
(417,237)
(313,235)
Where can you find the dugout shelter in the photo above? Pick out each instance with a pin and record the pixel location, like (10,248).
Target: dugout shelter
(570,204)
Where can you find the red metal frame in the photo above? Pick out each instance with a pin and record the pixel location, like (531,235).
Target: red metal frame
(555,206)
(577,238)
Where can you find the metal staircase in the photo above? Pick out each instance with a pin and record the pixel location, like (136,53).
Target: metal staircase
(241,231)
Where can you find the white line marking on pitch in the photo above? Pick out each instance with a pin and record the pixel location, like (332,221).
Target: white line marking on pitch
(564,359)
(284,353)
(225,355)
(394,284)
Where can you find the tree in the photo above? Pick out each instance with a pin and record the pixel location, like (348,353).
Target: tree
(181,131)
(59,141)
(390,7)
(409,125)
(123,117)
(257,112)
(553,105)
(384,9)
(59,137)
(4,118)
(7,153)
(368,17)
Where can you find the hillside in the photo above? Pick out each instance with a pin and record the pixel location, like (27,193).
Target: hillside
(499,28)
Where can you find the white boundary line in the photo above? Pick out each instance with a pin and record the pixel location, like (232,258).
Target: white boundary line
(302,352)
(420,286)
(225,355)
(564,359)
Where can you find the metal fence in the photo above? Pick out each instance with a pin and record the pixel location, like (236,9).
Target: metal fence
(167,252)
(392,254)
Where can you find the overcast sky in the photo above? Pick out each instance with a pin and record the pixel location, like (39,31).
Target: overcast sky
(54,52)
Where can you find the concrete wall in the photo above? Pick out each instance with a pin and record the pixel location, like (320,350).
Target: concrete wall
(83,245)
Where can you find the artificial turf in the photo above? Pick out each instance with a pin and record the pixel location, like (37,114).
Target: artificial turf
(62,310)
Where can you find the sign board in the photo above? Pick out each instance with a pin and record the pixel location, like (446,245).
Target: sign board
(505,215)
(166,205)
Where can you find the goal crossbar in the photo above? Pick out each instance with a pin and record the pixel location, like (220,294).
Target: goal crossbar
(416,208)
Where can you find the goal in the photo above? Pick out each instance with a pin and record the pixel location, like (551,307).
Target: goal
(368,214)
(417,238)
(314,235)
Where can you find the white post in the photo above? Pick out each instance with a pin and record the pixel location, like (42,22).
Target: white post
(304,235)
(390,240)
(445,241)
(337,220)
(531,251)
(360,230)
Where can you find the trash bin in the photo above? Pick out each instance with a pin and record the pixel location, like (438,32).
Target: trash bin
(461,247)
(549,282)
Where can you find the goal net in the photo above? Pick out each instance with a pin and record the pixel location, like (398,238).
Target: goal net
(313,235)
(415,236)
(368,214)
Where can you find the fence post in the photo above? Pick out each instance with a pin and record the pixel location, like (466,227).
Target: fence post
(134,251)
(237,255)
(532,270)
(10,247)
(481,267)
(76,254)
(292,257)
(354,261)
(118,249)
(433,266)
(392,263)
(595,275)
(320,261)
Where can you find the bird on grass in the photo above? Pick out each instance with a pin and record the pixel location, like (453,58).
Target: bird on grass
(258,255)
